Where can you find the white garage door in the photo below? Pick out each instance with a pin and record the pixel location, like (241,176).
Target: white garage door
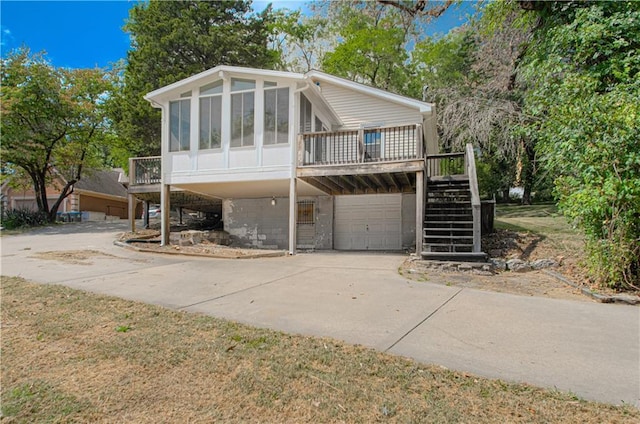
(368,222)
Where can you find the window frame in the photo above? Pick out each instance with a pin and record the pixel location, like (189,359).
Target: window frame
(209,97)
(278,96)
(243,94)
(182,130)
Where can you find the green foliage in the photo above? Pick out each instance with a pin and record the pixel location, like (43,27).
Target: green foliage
(22,218)
(372,46)
(585,92)
(174,40)
(443,62)
(52,121)
(495,177)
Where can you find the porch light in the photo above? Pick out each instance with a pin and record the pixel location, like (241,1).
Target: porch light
(273,201)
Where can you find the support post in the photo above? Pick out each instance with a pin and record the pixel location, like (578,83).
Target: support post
(165,207)
(145,215)
(420,196)
(293,215)
(132,203)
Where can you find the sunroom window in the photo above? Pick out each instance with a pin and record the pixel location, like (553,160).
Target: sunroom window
(276,116)
(180,125)
(242,112)
(211,116)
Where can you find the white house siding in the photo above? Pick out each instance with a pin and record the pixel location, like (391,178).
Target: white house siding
(210,160)
(357,108)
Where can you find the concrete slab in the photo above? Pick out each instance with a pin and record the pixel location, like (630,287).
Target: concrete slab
(587,348)
(364,306)
(590,349)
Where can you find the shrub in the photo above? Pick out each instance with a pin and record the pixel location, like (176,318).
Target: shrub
(22,218)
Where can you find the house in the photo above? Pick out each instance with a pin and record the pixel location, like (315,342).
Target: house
(99,195)
(307,161)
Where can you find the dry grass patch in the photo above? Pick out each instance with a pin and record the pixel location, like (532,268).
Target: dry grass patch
(75,257)
(68,356)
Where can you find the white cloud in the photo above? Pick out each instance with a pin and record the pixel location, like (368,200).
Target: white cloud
(5,36)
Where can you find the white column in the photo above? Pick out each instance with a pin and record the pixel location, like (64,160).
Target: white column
(293,215)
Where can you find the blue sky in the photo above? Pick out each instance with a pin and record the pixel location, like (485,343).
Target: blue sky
(86,34)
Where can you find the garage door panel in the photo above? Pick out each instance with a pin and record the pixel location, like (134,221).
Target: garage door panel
(368,222)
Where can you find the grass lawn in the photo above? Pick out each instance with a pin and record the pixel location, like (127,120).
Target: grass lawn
(71,356)
(557,237)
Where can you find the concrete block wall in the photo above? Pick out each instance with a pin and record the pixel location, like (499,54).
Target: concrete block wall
(324,222)
(257,223)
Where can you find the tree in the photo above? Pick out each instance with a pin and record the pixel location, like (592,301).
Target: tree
(174,40)
(301,40)
(52,122)
(584,91)
(371,43)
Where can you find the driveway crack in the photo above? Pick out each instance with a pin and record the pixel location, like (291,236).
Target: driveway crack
(422,321)
(245,289)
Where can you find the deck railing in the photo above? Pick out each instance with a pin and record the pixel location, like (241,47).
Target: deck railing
(367,145)
(446,164)
(147,170)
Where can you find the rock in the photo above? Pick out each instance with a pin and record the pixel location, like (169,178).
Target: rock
(495,253)
(219,237)
(543,263)
(518,265)
(499,264)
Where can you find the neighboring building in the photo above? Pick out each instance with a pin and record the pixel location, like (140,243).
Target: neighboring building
(298,160)
(99,195)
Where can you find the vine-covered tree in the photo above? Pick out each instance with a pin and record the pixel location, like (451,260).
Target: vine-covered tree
(172,40)
(53,122)
(583,79)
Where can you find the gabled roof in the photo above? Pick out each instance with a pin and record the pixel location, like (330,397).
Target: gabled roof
(309,78)
(371,91)
(103,182)
(219,71)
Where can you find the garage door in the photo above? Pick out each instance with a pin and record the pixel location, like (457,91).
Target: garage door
(368,222)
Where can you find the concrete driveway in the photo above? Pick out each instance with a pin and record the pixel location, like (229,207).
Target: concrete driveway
(590,349)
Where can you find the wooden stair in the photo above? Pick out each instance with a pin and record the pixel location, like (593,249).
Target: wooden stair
(448,224)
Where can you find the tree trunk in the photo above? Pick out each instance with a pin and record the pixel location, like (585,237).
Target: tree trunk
(40,189)
(528,172)
(505,195)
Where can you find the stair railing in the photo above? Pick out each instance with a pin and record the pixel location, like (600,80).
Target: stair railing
(476,205)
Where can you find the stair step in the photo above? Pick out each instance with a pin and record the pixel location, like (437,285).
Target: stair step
(455,256)
(454,202)
(452,222)
(454,240)
(459,209)
(456,229)
(448,179)
(433,247)
(448,189)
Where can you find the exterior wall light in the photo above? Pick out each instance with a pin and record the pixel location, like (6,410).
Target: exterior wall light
(273,201)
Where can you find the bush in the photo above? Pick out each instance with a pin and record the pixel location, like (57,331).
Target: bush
(22,218)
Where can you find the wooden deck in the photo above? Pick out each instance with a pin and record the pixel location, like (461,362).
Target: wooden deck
(365,161)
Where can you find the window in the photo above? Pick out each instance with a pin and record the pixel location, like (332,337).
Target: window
(276,116)
(211,116)
(306,210)
(211,122)
(372,140)
(179,123)
(242,112)
(306,118)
